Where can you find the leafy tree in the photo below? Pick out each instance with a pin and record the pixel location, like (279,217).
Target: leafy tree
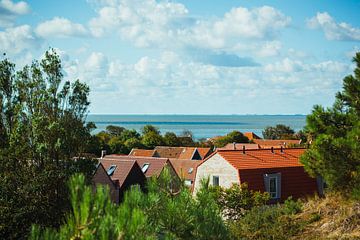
(132,143)
(114,131)
(280,131)
(335,132)
(129,133)
(150,129)
(162,213)
(234,136)
(152,139)
(236,200)
(42,132)
(170,139)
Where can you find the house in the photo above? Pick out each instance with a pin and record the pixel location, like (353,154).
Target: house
(141,152)
(269,143)
(204,152)
(277,171)
(251,135)
(150,166)
(240,146)
(177,152)
(118,175)
(186,170)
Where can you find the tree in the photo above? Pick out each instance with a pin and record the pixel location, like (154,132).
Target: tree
(236,200)
(170,139)
(150,129)
(42,133)
(280,131)
(114,131)
(335,133)
(152,139)
(160,213)
(234,136)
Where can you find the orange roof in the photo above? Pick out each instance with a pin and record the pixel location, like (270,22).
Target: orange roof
(187,153)
(122,170)
(185,169)
(174,152)
(141,152)
(204,152)
(268,143)
(263,158)
(156,165)
(239,146)
(167,152)
(251,135)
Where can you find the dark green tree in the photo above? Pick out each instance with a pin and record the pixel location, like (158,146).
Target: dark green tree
(334,132)
(280,131)
(234,136)
(114,131)
(42,137)
(170,139)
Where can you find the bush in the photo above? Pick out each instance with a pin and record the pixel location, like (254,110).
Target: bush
(266,222)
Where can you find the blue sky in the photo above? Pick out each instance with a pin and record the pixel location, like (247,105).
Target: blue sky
(191,57)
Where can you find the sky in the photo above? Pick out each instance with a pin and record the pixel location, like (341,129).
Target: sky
(191,57)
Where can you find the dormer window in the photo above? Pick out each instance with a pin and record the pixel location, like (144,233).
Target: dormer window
(145,167)
(111,170)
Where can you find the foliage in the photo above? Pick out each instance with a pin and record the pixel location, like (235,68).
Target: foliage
(42,129)
(170,139)
(335,132)
(280,131)
(268,222)
(159,214)
(236,200)
(234,136)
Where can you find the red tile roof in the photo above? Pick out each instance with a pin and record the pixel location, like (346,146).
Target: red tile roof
(239,146)
(122,170)
(204,152)
(185,169)
(174,152)
(263,158)
(155,167)
(167,152)
(268,143)
(251,135)
(141,152)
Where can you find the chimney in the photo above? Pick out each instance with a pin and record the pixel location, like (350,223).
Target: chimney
(234,145)
(243,149)
(272,149)
(103,153)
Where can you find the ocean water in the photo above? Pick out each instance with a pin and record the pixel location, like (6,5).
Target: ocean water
(202,126)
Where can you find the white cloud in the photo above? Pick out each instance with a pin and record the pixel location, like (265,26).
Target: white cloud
(16,40)
(10,10)
(167,25)
(61,28)
(333,30)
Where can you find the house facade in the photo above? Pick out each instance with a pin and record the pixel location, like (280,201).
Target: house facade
(119,176)
(277,171)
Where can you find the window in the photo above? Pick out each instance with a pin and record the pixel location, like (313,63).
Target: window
(111,170)
(273,185)
(188,182)
(145,167)
(215,180)
(190,170)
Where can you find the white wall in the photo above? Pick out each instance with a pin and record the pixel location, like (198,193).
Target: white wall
(216,166)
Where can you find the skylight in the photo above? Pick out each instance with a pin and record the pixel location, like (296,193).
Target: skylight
(111,170)
(145,167)
(190,170)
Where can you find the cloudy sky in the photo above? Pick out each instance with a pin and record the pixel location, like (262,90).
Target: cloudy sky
(195,57)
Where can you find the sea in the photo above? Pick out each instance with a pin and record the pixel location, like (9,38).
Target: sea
(202,126)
